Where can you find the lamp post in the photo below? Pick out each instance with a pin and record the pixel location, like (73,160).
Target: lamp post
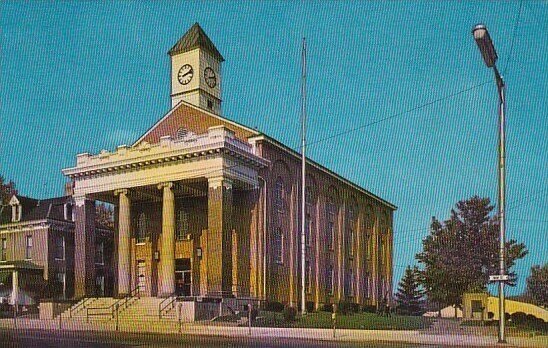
(487,49)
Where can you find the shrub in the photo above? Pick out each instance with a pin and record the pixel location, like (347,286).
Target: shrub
(519,318)
(254,314)
(490,315)
(289,313)
(327,307)
(346,307)
(309,306)
(369,308)
(273,306)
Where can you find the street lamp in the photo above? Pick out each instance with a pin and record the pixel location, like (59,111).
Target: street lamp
(487,49)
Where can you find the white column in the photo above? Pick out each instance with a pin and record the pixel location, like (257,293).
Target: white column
(15,287)
(167,255)
(124,228)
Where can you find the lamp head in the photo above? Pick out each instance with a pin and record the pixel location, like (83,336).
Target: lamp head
(485,45)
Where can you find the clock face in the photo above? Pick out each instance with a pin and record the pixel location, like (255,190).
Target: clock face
(210,77)
(185,74)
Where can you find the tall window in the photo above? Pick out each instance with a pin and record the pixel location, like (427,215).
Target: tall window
(60,248)
(61,279)
(28,250)
(351,232)
(349,282)
(330,279)
(309,226)
(142,228)
(3,249)
(279,246)
(68,211)
(183,225)
(330,233)
(308,277)
(308,229)
(367,285)
(100,253)
(279,193)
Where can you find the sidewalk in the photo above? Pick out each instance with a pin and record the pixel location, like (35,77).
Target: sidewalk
(413,337)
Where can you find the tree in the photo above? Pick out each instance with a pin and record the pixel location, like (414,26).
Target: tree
(7,189)
(537,284)
(410,296)
(460,253)
(104,215)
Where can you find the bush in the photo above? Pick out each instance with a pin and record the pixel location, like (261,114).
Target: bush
(369,308)
(309,306)
(289,313)
(273,306)
(327,307)
(490,315)
(519,318)
(346,307)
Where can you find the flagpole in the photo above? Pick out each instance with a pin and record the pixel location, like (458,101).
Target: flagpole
(303,181)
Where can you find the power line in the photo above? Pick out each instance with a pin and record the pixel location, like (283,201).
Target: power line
(398,114)
(513,38)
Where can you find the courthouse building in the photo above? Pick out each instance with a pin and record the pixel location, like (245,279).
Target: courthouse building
(205,206)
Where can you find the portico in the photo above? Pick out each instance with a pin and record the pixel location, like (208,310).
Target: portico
(174,206)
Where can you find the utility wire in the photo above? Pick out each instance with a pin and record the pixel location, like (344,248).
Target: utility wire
(513,39)
(399,113)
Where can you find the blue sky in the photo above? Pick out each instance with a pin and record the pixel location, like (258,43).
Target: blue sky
(83,76)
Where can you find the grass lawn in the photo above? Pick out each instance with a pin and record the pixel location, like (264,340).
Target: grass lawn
(365,321)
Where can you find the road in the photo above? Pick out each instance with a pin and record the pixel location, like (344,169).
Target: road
(66,339)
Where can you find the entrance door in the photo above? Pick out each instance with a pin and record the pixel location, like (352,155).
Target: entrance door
(183,277)
(141,277)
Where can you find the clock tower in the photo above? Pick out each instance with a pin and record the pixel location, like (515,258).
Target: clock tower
(196,71)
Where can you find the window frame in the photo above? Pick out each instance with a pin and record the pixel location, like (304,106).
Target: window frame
(28,247)
(63,247)
(3,250)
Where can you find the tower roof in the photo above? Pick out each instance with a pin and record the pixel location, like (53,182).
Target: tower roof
(195,37)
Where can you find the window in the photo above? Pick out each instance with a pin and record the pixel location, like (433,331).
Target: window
(60,248)
(351,227)
(16,212)
(28,251)
(279,246)
(142,228)
(330,279)
(308,229)
(330,225)
(61,280)
(183,225)
(3,249)
(210,104)
(279,195)
(349,282)
(367,285)
(100,253)
(68,211)
(308,277)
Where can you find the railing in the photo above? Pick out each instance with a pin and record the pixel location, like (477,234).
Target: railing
(114,309)
(167,302)
(81,305)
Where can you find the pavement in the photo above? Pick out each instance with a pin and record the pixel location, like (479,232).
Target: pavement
(447,337)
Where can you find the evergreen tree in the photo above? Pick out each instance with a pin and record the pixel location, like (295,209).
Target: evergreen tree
(461,252)
(537,284)
(410,296)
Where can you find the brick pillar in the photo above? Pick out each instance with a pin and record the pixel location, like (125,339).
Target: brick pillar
(219,237)
(167,249)
(84,248)
(123,264)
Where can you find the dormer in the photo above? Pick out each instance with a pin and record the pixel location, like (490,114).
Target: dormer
(16,209)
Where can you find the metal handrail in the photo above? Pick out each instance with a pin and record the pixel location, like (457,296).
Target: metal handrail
(80,305)
(170,302)
(115,307)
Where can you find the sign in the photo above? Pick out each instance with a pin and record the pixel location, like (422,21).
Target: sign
(499,278)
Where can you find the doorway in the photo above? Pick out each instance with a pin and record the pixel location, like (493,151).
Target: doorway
(141,277)
(183,277)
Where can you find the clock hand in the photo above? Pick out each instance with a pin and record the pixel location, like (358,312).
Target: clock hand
(189,72)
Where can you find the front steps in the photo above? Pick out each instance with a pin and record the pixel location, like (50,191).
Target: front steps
(138,310)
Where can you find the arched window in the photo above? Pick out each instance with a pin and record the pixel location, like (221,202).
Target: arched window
(279,246)
(351,229)
(331,210)
(279,195)
(142,228)
(182,133)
